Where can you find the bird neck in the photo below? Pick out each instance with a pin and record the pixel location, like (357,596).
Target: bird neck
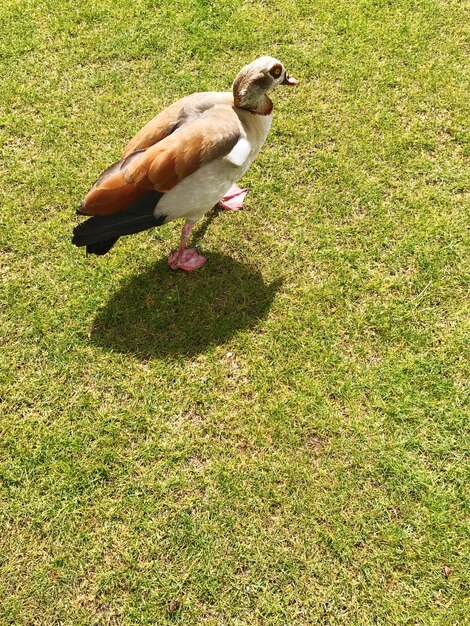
(249,93)
(261,105)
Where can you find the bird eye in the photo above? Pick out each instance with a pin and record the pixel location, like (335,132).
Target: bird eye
(276,71)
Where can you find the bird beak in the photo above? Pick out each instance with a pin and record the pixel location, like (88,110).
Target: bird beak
(288,80)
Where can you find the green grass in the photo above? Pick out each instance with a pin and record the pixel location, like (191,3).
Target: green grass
(280,438)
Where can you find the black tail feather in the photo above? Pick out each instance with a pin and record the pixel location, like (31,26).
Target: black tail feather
(101,247)
(100,233)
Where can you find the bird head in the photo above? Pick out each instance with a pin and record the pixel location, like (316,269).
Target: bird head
(256,79)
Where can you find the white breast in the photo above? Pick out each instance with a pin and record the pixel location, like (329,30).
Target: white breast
(256,128)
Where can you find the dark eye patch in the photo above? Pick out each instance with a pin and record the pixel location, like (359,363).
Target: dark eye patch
(276,71)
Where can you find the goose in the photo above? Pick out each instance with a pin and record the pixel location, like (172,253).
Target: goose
(182,163)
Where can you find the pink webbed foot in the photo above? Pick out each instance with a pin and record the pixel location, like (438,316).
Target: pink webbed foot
(233,199)
(187,260)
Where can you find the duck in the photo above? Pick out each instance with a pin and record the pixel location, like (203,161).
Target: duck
(184,162)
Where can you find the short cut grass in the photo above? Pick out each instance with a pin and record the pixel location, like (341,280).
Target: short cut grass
(280,438)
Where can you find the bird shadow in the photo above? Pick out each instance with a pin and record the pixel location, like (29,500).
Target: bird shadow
(166,313)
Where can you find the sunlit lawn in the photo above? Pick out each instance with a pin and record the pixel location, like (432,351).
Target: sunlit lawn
(279,438)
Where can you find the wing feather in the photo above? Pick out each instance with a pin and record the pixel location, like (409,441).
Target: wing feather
(160,167)
(182,112)
(210,136)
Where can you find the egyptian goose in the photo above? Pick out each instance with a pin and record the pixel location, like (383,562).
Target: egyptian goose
(182,163)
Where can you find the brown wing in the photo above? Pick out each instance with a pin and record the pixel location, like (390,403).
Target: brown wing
(209,137)
(111,193)
(161,166)
(175,116)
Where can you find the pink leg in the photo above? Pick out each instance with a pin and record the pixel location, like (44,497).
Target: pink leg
(233,199)
(186,258)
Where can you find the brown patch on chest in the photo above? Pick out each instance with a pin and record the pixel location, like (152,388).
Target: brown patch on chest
(266,109)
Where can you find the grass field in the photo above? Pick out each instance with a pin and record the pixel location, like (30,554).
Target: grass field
(280,438)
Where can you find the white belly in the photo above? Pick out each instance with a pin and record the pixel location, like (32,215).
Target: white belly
(195,195)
